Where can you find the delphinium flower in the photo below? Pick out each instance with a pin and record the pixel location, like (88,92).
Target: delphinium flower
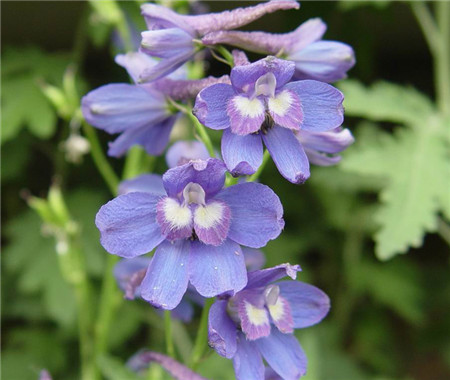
(142,114)
(261,105)
(174,37)
(182,152)
(314,58)
(258,322)
(197,228)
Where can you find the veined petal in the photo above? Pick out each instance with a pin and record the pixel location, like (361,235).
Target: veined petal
(217,269)
(334,141)
(167,277)
(242,154)
(287,153)
(174,219)
(212,222)
(255,322)
(210,106)
(246,115)
(182,152)
(222,332)
(281,315)
(128,225)
(135,63)
(321,105)
(263,277)
(285,109)
(309,304)
(257,213)
(247,362)
(145,183)
(283,353)
(166,43)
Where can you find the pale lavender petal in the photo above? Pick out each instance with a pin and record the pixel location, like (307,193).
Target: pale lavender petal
(215,270)
(246,115)
(184,311)
(321,159)
(152,137)
(244,77)
(212,222)
(254,258)
(321,105)
(285,109)
(284,354)
(270,374)
(222,332)
(167,276)
(309,304)
(209,174)
(263,277)
(174,219)
(257,214)
(310,31)
(166,43)
(160,17)
(44,375)
(247,362)
(145,183)
(287,153)
(128,226)
(281,315)
(129,274)
(334,141)
(187,89)
(242,154)
(239,58)
(120,107)
(135,63)
(326,61)
(182,152)
(210,106)
(255,322)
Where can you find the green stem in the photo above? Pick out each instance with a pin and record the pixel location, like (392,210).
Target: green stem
(169,334)
(444,230)
(265,160)
(203,135)
(201,341)
(137,162)
(427,24)
(99,158)
(442,58)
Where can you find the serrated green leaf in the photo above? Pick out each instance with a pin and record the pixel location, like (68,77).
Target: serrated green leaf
(385,101)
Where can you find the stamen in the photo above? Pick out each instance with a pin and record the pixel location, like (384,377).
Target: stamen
(265,85)
(194,193)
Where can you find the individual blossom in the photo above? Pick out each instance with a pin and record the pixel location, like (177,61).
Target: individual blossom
(174,38)
(258,323)
(184,151)
(142,114)
(314,58)
(197,228)
(260,106)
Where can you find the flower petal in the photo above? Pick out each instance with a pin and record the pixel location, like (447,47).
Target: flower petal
(174,219)
(167,276)
(210,106)
(321,159)
(182,152)
(184,311)
(222,332)
(257,213)
(242,154)
(263,277)
(284,354)
(215,270)
(309,304)
(321,105)
(209,174)
(246,115)
(254,258)
(333,141)
(247,362)
(287,153)
(128,225)
(212,222)
(129,274)
(167,43)
(255,322)
(281,315)
(145,183)
(286,110)
(135,63)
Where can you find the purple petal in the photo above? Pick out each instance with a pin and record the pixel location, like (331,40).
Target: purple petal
(247,362)
(255,322)
(286,110)
(242,154)
(257,214)
(281,314)
(152,137)
(175,219)
(270,374)
(334,141)
(244,77)
(310,31)
(167,276)
(215,270)
(284,354)
(211,106)
(261,278)
(184,311)
(44,375)
(221,330)
(167,43)
(321,159)
(128,225)
(239,58)
(209,174)
(325,61)
(309,304)
(145,183)
(120,107)
(212,222)
(135,63)
(129,274)
(287,153)
(182,152)
(254,258)
(321,103)
(246,115)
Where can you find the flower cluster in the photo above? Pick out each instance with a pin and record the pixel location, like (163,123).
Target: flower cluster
(204,226)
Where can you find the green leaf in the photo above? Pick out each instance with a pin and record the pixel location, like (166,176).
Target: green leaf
(113,369)
(385,101)
(347,5)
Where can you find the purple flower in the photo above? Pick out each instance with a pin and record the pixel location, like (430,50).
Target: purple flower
(182,152)
(171,35)
(258,322)
(321,147)
(197,229)
(326,61)
(261,106)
